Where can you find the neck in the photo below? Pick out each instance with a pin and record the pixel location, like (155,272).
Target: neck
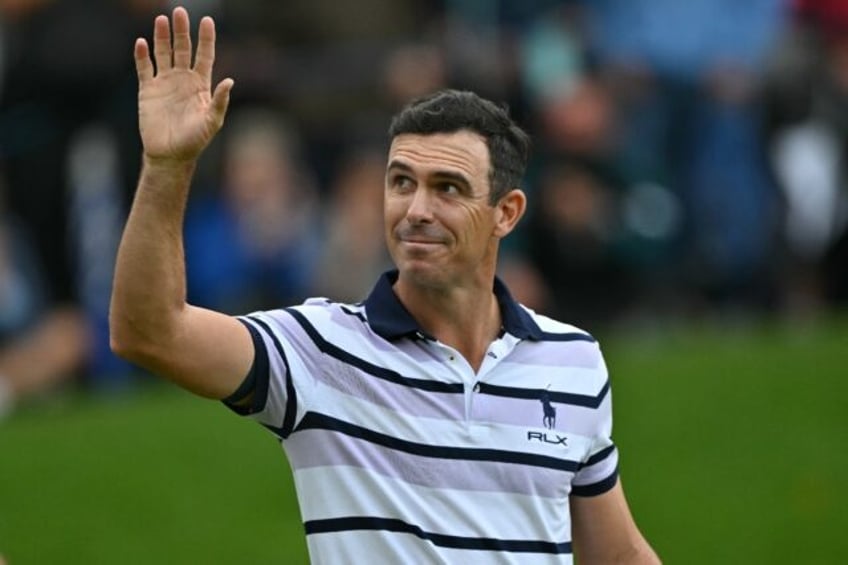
(465,318)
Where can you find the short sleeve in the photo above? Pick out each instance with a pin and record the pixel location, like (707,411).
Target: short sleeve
(269,381)
(598,472)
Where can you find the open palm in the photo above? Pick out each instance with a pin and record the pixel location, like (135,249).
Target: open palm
(178,113)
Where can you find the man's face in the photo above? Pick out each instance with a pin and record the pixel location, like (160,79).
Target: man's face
(440,227)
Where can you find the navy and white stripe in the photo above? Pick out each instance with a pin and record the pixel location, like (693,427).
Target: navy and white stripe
(400,452)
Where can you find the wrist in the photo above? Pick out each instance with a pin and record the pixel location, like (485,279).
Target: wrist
(169,177)
(163,172)
(168,166)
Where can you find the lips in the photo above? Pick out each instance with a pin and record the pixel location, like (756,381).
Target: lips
(419,241)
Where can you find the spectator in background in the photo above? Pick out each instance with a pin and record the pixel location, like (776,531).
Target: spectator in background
(572,243)
(354,253)
(597,243)
(686,76)
(253,242)
(574,227)
(807,103)
(41,345)
(64,71)
(320,60)
(69,152)
(570,236)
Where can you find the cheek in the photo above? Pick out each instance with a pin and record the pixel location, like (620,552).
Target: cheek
(478,225)
(392,210)
(393,213)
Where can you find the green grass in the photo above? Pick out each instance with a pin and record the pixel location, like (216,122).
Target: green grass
(734,444)
(734,447)
(161,477)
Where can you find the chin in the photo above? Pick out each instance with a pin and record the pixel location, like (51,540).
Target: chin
(423,274)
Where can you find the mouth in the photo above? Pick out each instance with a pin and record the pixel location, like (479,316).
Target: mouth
(416,246)
(419,241)
(419,245)
(419,238)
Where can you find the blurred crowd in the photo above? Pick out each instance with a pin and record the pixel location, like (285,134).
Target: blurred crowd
(689,158)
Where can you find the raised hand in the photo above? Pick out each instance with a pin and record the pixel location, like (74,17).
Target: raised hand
(177,110)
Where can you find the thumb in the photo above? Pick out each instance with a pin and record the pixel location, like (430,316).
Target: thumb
(221,100)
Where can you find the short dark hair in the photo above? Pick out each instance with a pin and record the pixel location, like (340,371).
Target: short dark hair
(449,111)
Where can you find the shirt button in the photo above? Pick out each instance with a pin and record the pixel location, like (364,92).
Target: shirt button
(451,358)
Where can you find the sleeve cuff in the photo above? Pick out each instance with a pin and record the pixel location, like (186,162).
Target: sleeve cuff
(597,488)
(256,381)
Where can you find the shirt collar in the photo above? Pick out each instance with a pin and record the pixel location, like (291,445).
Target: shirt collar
(391,320)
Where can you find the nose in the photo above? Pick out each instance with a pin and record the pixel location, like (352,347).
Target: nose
(420,210)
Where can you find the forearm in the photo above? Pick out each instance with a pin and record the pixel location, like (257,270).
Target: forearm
(149,290)
(604,532)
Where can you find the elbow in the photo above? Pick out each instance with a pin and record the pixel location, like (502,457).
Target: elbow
(120,346)
(123,345)
(147,341)
(129,342)
(136,348)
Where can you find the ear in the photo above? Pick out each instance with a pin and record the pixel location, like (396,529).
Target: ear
(508,211)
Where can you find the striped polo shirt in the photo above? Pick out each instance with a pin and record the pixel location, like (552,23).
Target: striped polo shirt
(401,453)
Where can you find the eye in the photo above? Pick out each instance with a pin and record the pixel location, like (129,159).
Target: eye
(401,182)
(449,188)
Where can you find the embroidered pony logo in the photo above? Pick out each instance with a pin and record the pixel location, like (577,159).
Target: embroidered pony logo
(549,418)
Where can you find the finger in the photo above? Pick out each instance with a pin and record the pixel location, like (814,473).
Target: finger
(205,57)
(221,100)
(162,43)
(143,65)
(182,39)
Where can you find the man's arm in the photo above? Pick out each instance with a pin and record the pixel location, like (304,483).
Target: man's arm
(151,324)
(604,532)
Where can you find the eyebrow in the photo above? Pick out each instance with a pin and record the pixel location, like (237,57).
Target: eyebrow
(458,178)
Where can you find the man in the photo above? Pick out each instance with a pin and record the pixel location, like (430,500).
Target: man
(414,422)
